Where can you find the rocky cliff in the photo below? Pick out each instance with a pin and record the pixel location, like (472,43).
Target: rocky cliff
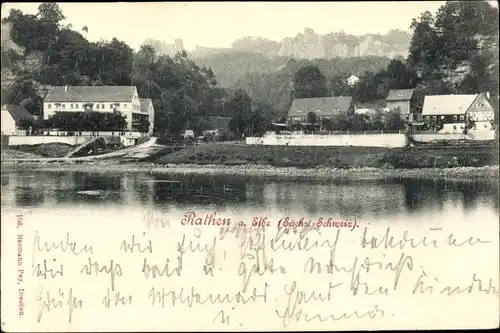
(308,45)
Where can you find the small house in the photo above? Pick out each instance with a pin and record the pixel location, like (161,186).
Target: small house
(352,80)
(403,100)
(323,107)
(16,120)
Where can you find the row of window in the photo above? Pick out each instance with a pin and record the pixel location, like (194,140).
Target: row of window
(123,114)
(442,117)
(318,110)
(97,105)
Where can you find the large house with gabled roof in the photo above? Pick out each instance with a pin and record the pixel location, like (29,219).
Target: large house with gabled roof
(455,110)
(323,107)
(123,99)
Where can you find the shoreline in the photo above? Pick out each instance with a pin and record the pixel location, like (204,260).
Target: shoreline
(458,173)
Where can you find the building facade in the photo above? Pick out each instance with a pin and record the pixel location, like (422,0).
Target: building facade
(105,99)
(402,100)
(454,111)
(323,107)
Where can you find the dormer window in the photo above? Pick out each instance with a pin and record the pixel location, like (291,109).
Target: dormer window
(300,110)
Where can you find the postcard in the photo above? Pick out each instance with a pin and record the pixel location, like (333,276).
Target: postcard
(249,166)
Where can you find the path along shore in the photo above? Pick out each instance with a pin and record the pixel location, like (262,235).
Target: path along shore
(459,173)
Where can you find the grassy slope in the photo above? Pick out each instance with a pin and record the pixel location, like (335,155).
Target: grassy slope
(337,157)
(45,150)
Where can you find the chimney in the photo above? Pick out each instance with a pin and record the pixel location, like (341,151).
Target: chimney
(65,88)
(488,95)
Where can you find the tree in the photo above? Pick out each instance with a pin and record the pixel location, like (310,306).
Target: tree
(309,82)
(424,53)
(50,12)
(393,121)
(85,30)
(144,125)
(240,106)
(311,117)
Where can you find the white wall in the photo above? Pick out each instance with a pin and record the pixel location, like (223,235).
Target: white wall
(101,133)
(8,124)
(360,140)
(448,128)
(36,140)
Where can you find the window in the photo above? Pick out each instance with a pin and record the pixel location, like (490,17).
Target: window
(462,117)
(461,127)
(427,117)
(485,126)
(97,106)
(454,127)
(63,106)
(480,105)
(77,106)
(125,105)
(434,118)
(454,117)
(300,110)
(102,106)
(49,106)
(442,117)
(110,106)
(71,106)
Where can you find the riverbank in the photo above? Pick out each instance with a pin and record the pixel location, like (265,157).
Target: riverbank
(461,173)
(471,155)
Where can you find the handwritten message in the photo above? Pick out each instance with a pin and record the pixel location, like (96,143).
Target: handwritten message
(221,271)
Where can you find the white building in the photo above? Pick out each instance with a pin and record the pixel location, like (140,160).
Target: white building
(352,80)
(12,118)
(123,99)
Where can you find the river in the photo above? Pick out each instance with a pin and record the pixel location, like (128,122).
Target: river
(129,194)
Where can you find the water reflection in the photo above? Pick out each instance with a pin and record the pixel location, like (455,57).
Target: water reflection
(336,198)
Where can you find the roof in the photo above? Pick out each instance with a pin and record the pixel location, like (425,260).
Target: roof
(320,105)
(17,112)
(400,95)
(90,94)
(145,102)
(220,123)
(447,104)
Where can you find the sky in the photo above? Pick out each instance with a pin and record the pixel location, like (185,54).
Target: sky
(218,24)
